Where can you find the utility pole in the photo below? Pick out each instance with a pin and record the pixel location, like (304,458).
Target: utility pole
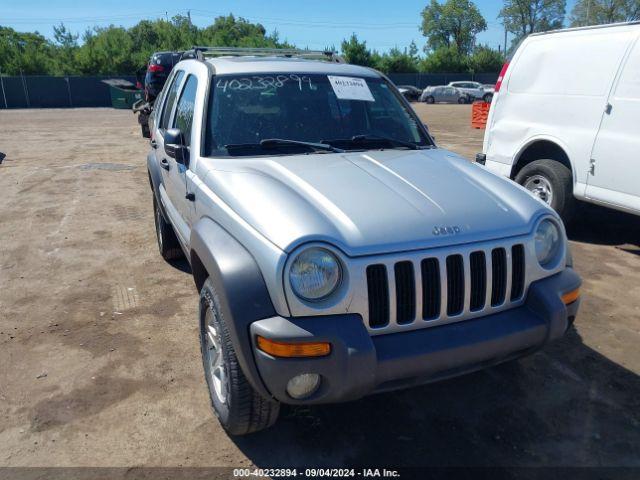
(505,40)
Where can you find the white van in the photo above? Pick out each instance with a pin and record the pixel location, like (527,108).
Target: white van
(565,118)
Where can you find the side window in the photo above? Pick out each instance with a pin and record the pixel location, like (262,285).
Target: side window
(629,83)
(171,100)
(184,113)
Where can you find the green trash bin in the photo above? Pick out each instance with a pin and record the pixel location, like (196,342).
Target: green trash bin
(123,93)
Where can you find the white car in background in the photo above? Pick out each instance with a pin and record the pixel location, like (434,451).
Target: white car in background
(445,94)
(475,89)
(565,120)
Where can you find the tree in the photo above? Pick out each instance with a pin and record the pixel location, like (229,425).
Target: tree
(523,17)
(67,46)
(454,23)
(397,62)
(413,50)
(598,12)
(445,60)
(28,53)
(485,59)
(356,52)
(106,50)
(231,32)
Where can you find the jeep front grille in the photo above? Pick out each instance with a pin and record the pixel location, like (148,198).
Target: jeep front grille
(448,287)
(378,289)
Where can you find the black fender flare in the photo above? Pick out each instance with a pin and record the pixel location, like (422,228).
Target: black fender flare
(155,179)
(238,281)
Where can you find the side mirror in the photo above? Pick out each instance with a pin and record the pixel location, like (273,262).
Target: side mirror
(174,146)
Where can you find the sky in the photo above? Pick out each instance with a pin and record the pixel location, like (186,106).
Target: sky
(313,24)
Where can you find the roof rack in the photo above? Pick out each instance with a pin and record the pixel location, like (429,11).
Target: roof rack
(200,53)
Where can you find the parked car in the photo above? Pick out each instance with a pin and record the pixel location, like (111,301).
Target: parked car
(158,69)
(410,92)
(337,251)
(156,73)
(475,89)
(566,129)
(445,94)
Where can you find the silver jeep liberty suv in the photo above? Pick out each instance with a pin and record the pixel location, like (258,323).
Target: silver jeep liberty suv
(338,252)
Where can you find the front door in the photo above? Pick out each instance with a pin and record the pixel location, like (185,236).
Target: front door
(177,178)
(172,191)
(615,171)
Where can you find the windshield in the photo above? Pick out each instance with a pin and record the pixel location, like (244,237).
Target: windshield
(343,112)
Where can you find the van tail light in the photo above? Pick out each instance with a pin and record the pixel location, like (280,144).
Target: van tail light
(503,72)
(155,68)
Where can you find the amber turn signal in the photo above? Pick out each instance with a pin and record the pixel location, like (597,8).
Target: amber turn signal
(571,296)
(290,350)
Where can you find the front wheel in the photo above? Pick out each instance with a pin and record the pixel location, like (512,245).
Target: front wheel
(462,100)
(488,97)
(430,100)
(239,408)
(551,182)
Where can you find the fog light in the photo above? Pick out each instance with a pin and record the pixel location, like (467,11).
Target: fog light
(303,386)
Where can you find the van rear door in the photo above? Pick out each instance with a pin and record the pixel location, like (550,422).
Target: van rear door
(615,174)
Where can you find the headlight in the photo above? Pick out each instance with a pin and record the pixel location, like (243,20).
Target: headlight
(548,242)
(315,274)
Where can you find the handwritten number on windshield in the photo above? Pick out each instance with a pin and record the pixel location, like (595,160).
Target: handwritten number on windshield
(257,82)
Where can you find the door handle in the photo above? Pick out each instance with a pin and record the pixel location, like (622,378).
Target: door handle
(164,163)
(608,108)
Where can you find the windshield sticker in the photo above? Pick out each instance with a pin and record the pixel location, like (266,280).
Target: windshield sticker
(350,88)
(258,82)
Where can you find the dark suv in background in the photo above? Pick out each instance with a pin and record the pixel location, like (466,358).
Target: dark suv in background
(157,72)
(160,65)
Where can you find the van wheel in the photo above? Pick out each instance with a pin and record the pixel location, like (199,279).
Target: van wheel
(430,100)
(167,240)
(552,183)
(239,408)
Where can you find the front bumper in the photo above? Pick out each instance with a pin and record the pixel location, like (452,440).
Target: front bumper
(360,364)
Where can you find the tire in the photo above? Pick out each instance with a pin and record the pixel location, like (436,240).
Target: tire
(541,175)
(167,240)
(462,100)
(238,407)
(430,100)
(488,97)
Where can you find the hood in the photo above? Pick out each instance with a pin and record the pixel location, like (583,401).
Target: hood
(373,202)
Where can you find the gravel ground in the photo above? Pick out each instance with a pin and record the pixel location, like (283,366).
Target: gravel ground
(99,356)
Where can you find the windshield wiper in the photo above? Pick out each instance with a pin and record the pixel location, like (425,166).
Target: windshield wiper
(276,142)
(389,140)
(269,142)
(360,139)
